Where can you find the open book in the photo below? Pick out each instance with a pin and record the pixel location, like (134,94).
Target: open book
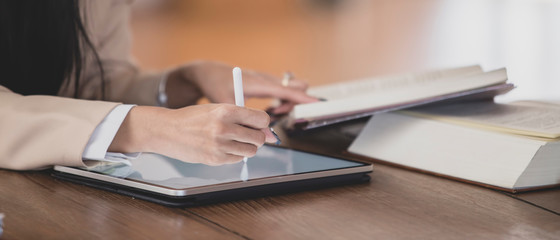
(513,147)
(365,97)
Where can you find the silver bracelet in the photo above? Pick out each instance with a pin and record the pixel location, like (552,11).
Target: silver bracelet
(1,224)
(162,95)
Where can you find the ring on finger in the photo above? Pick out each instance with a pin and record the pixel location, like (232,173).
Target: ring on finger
(287,77)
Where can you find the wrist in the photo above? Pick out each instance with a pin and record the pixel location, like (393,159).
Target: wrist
(181,87)
(136,132)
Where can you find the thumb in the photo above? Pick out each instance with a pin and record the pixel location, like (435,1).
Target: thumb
(289,94)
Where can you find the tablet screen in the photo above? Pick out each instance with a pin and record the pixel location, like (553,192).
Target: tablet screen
(269,162)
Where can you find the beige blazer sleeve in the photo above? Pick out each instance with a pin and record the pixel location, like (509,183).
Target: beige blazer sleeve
(41,131)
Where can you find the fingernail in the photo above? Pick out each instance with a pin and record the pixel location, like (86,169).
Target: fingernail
(278,141)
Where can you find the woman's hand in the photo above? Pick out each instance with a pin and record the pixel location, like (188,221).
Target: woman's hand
(214,81)
(212,134)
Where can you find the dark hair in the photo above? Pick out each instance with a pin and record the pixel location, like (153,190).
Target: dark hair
(41,45)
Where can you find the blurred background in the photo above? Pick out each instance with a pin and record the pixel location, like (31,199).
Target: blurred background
(325,41)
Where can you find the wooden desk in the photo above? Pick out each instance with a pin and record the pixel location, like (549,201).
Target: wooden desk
(322,44)
(396,204)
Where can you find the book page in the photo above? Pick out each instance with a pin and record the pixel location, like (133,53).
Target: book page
(538,120)
(386,83)
(537,103)
(423,91)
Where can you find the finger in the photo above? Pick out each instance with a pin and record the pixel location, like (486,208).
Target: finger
(240,149)
(297,84)
(272,87)
(245,135)
(225,158)
(288,94)
(252,118)
(230,159)
(286,107)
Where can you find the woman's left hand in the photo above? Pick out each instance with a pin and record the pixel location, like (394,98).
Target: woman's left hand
(214,81)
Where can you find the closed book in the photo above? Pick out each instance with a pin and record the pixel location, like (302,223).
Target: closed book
(512,147)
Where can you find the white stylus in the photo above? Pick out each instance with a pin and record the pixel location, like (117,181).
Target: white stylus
(238,91)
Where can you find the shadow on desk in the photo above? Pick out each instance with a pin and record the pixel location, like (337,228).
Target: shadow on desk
(395,204)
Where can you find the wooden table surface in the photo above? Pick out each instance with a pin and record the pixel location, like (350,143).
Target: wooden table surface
(323,42)
(395,204)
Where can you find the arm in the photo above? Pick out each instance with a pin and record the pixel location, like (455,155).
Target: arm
(108,26)
(41,131)
(212,134)
(186,132)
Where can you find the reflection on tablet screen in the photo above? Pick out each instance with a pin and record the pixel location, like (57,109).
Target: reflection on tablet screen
(269,162)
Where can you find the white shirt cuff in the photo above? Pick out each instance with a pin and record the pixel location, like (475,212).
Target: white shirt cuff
(162,95)
(102,137)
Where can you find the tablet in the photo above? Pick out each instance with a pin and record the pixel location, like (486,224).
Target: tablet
(273,170)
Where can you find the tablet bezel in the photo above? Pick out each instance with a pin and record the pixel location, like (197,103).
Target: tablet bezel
(176,192)
(219,196)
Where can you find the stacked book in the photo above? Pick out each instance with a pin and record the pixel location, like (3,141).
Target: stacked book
(445,122)
(513,147)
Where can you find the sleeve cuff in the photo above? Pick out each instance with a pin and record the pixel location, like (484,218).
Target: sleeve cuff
(162,95)
(103,135)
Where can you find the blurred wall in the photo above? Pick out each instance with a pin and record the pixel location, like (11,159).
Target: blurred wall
(327,41)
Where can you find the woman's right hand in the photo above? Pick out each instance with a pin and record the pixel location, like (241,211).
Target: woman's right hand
(213,134)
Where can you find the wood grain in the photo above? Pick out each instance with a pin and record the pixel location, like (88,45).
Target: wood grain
(547,199)
(396,204)
(39,207)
